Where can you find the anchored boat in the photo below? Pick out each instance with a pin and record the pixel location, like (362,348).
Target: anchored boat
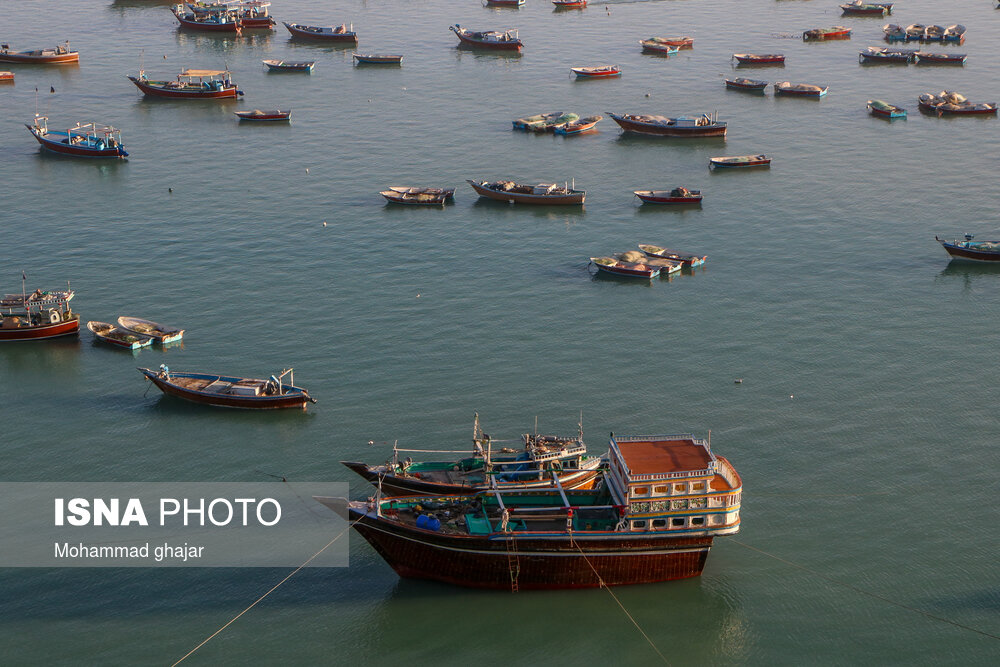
(58,55)
(885,110)
(751,85)
(488,39)
(340,33)
(976,251)
(191,84)
(231,391)
(680,195)
(515,193)
(37,316)
(706,125)
(118,336)
(158,332)
(688,259)
(81,140)
(287,66)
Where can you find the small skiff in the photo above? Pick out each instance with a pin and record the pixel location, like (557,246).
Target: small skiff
(415,198)
(616,267)
(287,66)
(230,391)
(759,58)
(544,193)
(577,126)
(689,259)
(159,333)
(676,196)
(836,32)
(799,89)
(119,337)
(750,85)
(740,161)
(58,55)
(272,115)
(377,59)
(340,33)
(885,110)
(603,72)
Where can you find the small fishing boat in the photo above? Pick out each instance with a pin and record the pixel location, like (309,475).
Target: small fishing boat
(544,193)
(680,195)
(288,66)
(652,517)
(934,33)
(617,267)
(861,8)
(680,42)
(58,55)
(569,4)
(882,54)
(976,251)
(267,115)
(231,391)
(952,103)
(667,267)
(577,126)
(603,72)
(158,332)
(706,125)
(836,32)
(688,259)
(653,46)
(447,193)
(503,3)
(751,85)
(340,33)
(894,33)
(915,32)
(215,19)
(6,77)
(37,316)
(925,58)
(885,110)
(759,58)
(119,337)
(542,460)
(954,33)
(740,161)
(488,39)
(416,196)
(81,140)
(544,122)
(377,59)
(194,84)
(253,14)
(799,89)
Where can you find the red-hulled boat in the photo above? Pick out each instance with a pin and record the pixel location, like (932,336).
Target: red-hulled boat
(620,267)
(489,39)
(925,58)
(759,58)
(270,115)
(37,316)
(836,32)
(59,55)
(603,72)
(252,15)
(81,140)
(340,33)
(217,19)
(955,104)
(684,126)
(193,84)
(569,4)
(676,196)
(753,85)
(662,502)
(861,8)
(6,77)
(230,391)
(976,251)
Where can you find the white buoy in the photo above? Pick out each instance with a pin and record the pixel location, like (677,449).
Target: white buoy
(738,380)
(324,223)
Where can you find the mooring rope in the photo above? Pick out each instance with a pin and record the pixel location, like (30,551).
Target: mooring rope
(273,588)
(619,602)
(868,593)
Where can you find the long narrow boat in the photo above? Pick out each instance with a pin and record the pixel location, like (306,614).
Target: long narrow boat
(544,122)
(577,126)
(38,316)
(679,195)
(230,391)
(836,32)
(652,46)
(684,42)
(799,89)
(667,267)
(925,58)
(885,110)
(602,72)
(503,3)
(569,4)
(288,66)
(487,465)
(976,251)
(340,33)
(618,267)
(447,193)
(688,259)
(58,55)
(759,58)
(954,33)
(546,194)
(418,198)
(119,337)
(265,115)
(158,332)
(191,84)
(861,8)
(882,54)
(488,39)
(652,518)
(705,125)
(750,85)
(217,20)
(81,140)
(377,59)
(732,161)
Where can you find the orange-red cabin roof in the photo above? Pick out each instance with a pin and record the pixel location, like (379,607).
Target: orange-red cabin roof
(652,457)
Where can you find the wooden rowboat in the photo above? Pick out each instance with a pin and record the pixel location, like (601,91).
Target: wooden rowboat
(954,33)
(705,125)
(836,32)
(543,193)
(799,89)
(924,58)
(569,4)
(58,55)
(6,77)
(675,196)
(759,58)
(750,85)
(503,3)
(617,267)
(415,198)
(654,46)
(680,42)
(448,193)
(377,59)
(158,332)
(340,33)
(286,66)
(544,122)
(885,110)
(270,115)
(577,126)
(688,259)
(119,337)
(861,8)
(230,391)
(602,72)
(488,39)
(740,161)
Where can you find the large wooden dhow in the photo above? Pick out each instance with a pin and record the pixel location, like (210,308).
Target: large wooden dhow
(81,140)
(653,518)
(37,316)
(227,391)
(218,18)
(973,251)
(487,39)
(57,55)
(191,84)
(547,194)
(705,125)
(488,464)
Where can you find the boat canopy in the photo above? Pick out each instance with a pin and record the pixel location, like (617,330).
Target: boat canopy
(203,72)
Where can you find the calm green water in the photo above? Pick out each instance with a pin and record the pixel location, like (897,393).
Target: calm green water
(864,428)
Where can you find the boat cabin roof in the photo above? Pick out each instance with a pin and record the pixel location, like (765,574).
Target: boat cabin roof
(662,454)
(203,72)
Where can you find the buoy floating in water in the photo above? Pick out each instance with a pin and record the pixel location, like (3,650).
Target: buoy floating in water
(738,380)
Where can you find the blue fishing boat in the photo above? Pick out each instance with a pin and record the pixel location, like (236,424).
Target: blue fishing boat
(885,110)
(81,140)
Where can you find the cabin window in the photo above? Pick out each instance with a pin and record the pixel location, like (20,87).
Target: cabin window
(638,525)
(680,488)
(698,486)
(697,521)
(659,523)
(677,522)
(640,491)
(717,519)
(661,490)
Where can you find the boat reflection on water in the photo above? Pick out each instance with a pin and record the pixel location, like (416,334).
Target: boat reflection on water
(970,272)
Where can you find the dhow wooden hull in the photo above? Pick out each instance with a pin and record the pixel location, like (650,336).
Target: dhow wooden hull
(42,332)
